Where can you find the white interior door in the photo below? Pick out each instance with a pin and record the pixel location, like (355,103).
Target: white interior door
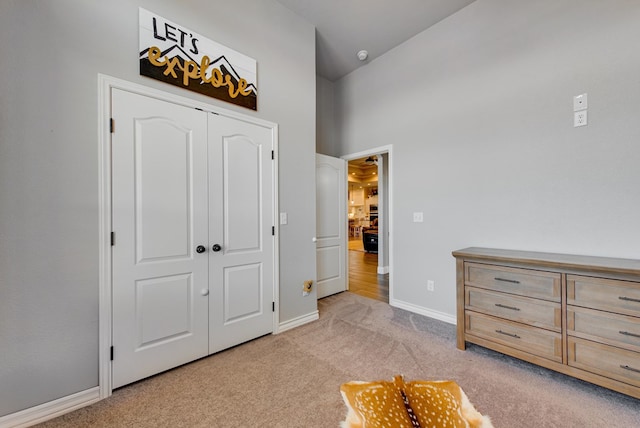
(159,176)
(241,220)
(192,213)
(331,225)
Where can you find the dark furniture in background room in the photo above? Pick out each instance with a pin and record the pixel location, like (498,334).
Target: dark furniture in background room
(370,240)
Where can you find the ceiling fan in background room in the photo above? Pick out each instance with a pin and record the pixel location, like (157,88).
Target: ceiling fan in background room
(371,160)
(365,162)
(364,166)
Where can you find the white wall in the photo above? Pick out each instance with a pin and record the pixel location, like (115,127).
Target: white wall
(479,111)
(52,52)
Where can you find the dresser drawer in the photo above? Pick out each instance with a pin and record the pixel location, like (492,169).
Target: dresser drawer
(549,309)
(536,312)
(605,294)
(536,341)
(619,330)
(608,361)
(523,282)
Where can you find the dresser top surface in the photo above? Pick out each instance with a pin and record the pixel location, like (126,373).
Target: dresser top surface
(553,260)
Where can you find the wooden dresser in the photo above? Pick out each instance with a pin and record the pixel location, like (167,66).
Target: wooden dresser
(578,315)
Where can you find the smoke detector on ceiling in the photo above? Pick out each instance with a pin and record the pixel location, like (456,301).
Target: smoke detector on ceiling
(363,55)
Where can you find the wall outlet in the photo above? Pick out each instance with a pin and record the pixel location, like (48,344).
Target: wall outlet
(307,286)
(431,285)
(580,118)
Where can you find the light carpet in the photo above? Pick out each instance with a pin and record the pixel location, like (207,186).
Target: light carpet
(293,379)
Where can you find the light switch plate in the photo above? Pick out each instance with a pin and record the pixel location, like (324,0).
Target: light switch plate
(580,102)
(418,217)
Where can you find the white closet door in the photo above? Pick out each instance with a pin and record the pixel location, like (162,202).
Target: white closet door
(240,231)
(160,280)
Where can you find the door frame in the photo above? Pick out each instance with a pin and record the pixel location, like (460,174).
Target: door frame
(386,210)
(105,85)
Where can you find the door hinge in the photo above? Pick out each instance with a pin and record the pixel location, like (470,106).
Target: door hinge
(273,154)
(112,125)
(113,239)
(273,230)
(273,306)
(111,352)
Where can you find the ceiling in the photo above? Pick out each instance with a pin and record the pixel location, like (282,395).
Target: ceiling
(344,27)
(363,172)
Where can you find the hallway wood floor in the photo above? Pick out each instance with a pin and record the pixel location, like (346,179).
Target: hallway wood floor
(363,277)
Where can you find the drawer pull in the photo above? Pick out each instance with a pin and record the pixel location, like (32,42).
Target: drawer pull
(629,299)
(629,368)
(513,281)
(513,308)
(626,333)
(508,334)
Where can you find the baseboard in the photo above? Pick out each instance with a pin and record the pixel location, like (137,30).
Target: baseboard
(299,321)
(383,270)
(50,410)
(451,319)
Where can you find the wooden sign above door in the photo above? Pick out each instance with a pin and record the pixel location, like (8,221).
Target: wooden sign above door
(176,55)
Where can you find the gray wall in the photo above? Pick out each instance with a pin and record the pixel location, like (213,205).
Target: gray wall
(52,52)
(326,142)
(479,111)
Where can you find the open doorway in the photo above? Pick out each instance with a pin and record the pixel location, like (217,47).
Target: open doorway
(368,216)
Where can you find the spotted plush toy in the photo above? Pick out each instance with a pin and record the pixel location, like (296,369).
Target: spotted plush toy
(416,404)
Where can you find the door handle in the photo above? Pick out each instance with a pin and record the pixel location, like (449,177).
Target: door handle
(216,248)
(204,292)
(201,249)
